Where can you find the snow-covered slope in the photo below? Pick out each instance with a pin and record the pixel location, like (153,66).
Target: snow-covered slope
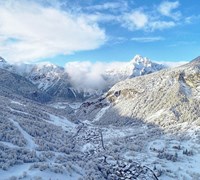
(154,119)
(42,142)
(14,84)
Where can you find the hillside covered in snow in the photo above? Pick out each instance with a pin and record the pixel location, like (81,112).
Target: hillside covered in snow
(153,119)
(144,127)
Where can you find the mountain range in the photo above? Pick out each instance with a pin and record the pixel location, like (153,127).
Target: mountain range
(145,123)
(56,82)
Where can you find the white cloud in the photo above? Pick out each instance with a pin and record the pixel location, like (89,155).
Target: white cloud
(105,6)
(154,25)
(135,20)
(191,19)
(139,20)
(117,40)
(100,17)
(147,39)
(109,6)
(86,74)
(166,8)
(172,63)
(34,31)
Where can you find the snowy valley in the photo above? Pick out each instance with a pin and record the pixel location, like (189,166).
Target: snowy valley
(144,125)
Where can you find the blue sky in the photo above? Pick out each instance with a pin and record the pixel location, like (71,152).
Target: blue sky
(93,30)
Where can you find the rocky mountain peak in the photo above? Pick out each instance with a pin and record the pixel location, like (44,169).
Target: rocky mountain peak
(138,59)
(196,60)
(2,60)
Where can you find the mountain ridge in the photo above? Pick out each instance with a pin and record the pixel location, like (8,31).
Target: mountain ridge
(49,77)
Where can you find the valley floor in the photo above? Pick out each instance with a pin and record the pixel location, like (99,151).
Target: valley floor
(43,144)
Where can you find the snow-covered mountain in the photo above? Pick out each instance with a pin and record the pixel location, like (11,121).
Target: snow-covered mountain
(145,127)
(138,66)
(2,60)
(14,84)
(55,80)
(154,119)
(47,77)
(4,64)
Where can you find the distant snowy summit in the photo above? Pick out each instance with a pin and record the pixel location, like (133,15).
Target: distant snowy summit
(56,81)
(2,60)
(138,66)
(142,65)
(4,64)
